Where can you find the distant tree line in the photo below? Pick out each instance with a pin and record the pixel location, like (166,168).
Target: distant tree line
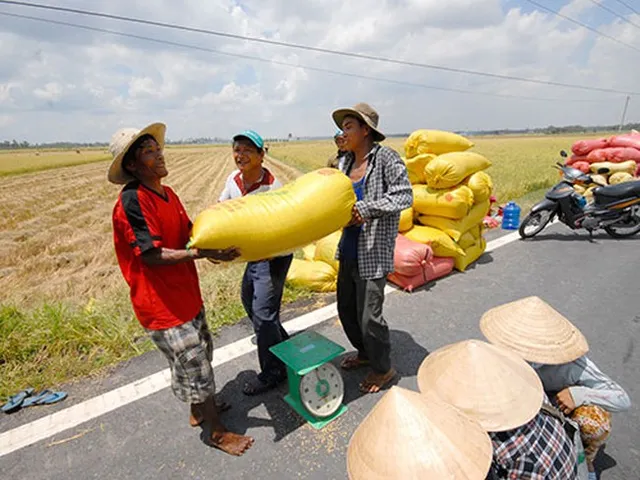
(13,145)
(550,130)
(554,130)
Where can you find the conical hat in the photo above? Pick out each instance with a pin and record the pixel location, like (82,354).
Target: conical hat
(534,330)
(490,384)
(412,436)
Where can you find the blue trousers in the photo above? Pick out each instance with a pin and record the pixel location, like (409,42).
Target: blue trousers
(262,287)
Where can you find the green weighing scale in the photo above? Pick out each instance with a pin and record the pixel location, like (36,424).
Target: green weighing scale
(316,388)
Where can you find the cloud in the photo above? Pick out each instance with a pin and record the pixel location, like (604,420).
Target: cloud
(5,120)
(61,83)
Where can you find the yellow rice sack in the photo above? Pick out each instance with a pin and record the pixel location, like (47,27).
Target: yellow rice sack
(601,179)
(441,244)
(609,167)
(481,185)
(267,224)
(473,253)
(450,169)
(470,237)
(456,228)
(415,167)
(620,177)
(449,203)
(406,220)
(313,275)
(309,251)
(435,141)
(326,249)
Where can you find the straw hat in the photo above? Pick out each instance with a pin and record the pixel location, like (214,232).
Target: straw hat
(490,384)
(364,112)
(411,436)
(534,330)
(122,140)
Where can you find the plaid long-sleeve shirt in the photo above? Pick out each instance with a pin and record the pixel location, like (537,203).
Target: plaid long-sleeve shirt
(538,450)
(387,192)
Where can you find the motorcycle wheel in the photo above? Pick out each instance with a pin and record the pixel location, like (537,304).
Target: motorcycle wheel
(534,223)
(627,229)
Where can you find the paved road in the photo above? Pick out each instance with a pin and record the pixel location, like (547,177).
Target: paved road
(594,283)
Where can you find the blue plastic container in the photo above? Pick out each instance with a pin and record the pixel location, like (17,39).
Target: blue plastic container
(511,216)
(582,201)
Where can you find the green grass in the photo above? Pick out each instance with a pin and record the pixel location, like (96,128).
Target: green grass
(57,343)
(16,162)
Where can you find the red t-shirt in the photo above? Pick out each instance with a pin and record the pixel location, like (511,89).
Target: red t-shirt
(163,296)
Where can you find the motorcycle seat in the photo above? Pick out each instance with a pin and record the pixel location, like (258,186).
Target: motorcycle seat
(621,190)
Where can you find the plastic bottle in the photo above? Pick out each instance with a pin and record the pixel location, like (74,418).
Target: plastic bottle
(511,216)
(582,201)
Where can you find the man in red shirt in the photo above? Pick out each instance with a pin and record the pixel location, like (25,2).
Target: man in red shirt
(150,231)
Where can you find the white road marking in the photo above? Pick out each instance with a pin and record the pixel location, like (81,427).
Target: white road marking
(75,415)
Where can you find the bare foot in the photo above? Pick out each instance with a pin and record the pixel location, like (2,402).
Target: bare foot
(195,419)
(374,382)
(231,443)
(197,412)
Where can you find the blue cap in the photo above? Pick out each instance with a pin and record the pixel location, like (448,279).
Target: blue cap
(338,133)
(254,137)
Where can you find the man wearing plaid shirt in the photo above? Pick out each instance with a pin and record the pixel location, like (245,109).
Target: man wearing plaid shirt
(537,450)
(366,248)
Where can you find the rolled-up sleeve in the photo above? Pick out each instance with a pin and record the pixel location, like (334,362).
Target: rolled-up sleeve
(398,195)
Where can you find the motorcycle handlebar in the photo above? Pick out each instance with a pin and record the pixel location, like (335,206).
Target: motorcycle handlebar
(563,168)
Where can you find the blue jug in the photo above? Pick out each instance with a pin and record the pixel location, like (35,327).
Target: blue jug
(511,216)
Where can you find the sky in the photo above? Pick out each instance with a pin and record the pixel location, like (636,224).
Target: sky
(60,83)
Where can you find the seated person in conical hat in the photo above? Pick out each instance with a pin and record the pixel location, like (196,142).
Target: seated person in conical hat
(410,435)
(497,388)
(556,349)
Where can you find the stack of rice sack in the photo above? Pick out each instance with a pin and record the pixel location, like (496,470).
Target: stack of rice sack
(451,196)
(620,153)
(318,270)
(602,179)
(610,160)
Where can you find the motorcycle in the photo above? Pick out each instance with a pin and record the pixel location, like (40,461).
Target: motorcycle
(614,208)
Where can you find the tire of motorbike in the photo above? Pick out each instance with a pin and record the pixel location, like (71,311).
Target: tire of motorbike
(529,218)
(613,232)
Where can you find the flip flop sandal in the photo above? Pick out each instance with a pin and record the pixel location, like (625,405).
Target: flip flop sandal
(16,401)
(46,397)
(52,398)
(33,400)
(353,363)
(365,386)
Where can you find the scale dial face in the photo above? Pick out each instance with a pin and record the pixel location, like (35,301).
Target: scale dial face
(322,390)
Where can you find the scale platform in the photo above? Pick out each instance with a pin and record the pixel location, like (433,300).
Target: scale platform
(302,354)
